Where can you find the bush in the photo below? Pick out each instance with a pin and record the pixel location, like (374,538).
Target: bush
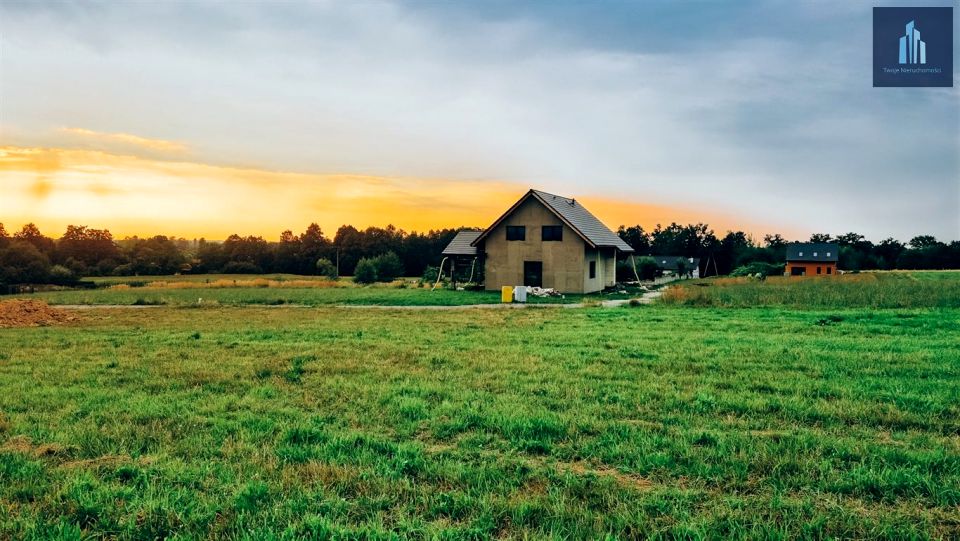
(241,267)
(758,267)
(430,275)
(365,272)
(326,268)
(389,267)
(647,269)
(61,275)
(123,270)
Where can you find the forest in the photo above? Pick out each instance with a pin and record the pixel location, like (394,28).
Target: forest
(28,256)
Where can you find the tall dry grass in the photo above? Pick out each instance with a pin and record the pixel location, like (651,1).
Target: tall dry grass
(864,290)
(229,284)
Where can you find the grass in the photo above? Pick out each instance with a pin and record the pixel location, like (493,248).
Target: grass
(271,296)
(280,290)
(863,290)
(199,278)
(319,423)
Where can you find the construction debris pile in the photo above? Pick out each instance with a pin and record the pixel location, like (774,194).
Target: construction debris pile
(30,313)
(543,292)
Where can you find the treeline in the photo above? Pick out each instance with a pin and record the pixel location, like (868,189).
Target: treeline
(30,257)
(737,250)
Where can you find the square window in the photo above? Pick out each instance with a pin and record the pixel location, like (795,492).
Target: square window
(814,254)
(516,232)
(552,232)
(828,254)
(593,269)
(818,268)
(801,254)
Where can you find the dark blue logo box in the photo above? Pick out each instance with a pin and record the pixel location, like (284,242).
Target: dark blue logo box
(913,46)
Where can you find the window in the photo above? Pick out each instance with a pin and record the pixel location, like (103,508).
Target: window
(516,232)
(801,254)
(593,269)
(818,268)
(828,254)
(829,270)
(814,254)
(552,232)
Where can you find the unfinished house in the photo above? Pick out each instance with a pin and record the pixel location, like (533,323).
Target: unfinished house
(546,240)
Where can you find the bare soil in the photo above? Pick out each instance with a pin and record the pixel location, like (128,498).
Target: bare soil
(30,313)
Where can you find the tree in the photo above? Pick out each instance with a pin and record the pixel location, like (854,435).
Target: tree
(365,271)
(31,233)
(288,253)
(774,241)
(636,237)
(153,256)
(887,252)
(210,256)
(4,238)
(923,241)
(22,263)
(821,237)
(250,249)
(388,266)
(86,247)
(313,246)
(326,268)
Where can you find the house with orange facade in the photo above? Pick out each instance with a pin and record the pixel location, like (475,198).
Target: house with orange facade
(811,259)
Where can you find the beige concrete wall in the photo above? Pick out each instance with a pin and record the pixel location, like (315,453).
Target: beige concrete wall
(563,261)
(606,276)
(611,271)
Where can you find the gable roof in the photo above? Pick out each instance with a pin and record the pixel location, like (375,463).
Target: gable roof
(804,251)
(670,261)
(574,215)
(461,244)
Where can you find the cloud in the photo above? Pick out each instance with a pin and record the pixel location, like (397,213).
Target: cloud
(135,195)
(764,111)
(128,139)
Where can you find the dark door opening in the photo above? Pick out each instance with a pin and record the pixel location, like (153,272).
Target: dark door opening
(797,271)
(533,273)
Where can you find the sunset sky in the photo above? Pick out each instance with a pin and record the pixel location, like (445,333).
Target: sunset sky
(203,119)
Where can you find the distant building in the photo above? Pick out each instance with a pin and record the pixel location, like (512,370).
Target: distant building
(544,240)
(679,265)
(811,259)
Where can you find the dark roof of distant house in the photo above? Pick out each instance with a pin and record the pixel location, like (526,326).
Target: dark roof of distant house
(826,252)
(461,243)
(670,261)
(572,213)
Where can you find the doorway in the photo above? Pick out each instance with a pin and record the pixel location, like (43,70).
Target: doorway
(533,273)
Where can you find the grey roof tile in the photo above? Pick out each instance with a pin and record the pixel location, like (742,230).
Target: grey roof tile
(804,251)
(461,243)
(575,214)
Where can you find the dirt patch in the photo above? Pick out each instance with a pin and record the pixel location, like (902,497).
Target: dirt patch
(25,446)
(624,479)
(30,313)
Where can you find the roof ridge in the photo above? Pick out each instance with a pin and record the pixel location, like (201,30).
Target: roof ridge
(541,192)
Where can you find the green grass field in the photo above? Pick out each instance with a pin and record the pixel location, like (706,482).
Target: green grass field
(247,422)
(297,290)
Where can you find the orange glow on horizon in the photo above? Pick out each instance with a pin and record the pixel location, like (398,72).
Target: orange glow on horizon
(130,195)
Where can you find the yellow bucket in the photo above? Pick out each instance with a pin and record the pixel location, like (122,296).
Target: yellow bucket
(506,294)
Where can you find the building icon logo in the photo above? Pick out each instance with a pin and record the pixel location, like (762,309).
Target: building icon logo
(909,65)
(912,49)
